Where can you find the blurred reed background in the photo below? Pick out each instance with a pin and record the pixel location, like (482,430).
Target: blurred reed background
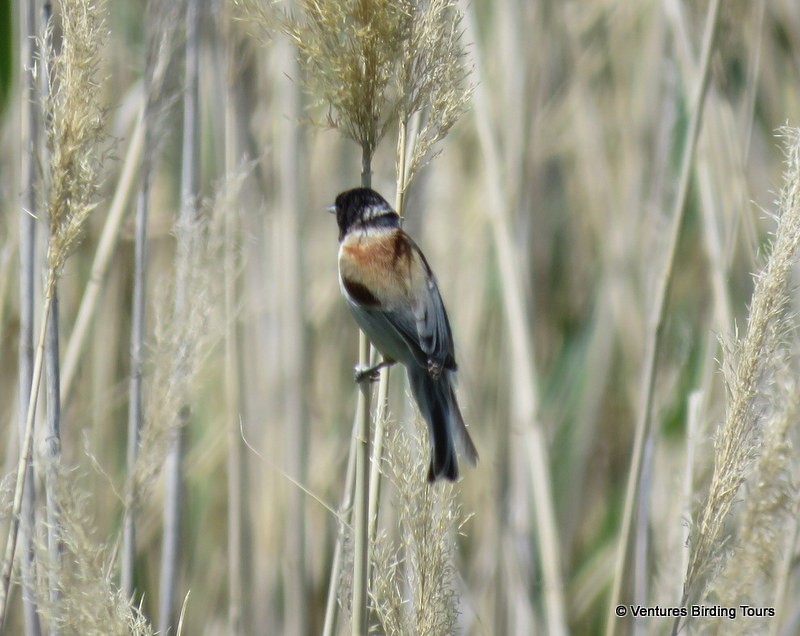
(599,261)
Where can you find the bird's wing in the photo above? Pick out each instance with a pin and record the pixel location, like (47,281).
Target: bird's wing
(432,326)
(423,325)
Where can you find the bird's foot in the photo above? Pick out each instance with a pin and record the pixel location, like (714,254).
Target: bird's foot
(370,374)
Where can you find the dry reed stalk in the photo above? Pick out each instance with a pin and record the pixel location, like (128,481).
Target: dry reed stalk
(381,416)
(27,257)
(654,340)
(782,589)
(720,230)
(383,384)
(135,412)
(52,441)
(525,393)
(135,409)
(347,51)
(345,508)
(179,348)
(288,155)
(753,443)
(433,81)
(52,452)
(75,129)
(414,591)
(359,606)
(719,240)
(236,468)
(186,244)
(765,523)
(145,145)
(361,503)
(26,448)
(106,250)
(88,602)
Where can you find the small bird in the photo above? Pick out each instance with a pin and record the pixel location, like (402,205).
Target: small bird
(392,293)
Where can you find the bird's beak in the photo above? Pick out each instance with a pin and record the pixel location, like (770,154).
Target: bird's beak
(331,208)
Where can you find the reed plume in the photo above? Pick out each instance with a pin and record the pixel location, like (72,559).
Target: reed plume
(752,442)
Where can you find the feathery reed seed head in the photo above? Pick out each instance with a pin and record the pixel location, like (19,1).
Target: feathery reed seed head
(180,347)
(758,396)
(75,125)
(413,590)
(368,62)
(88,601)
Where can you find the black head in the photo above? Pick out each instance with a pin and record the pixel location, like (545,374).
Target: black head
(363,208)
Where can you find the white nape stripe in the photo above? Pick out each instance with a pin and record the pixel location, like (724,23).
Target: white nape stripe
(376,211)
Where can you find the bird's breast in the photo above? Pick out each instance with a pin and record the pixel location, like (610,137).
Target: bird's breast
(378,268)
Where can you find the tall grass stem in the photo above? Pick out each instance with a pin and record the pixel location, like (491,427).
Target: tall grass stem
(525,391)
(655,323)
(30,127)
(293,344)
(104,256)
(345,513)
(26,448)
(135,410)
(190,176)
(361,501)
(233,377)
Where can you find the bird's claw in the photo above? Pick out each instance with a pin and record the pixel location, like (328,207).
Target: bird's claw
(366,374)
(373,374)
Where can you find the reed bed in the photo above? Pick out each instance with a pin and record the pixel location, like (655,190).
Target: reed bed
(609,194)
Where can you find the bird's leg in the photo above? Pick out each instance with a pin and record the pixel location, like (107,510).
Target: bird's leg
(372,373)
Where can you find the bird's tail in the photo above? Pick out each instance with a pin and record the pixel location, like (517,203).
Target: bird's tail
(437,403)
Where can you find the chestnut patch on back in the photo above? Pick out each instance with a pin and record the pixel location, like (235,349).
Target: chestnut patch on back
(360,293)
(402,248)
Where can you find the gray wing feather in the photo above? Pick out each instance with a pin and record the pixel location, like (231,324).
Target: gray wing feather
(433,328)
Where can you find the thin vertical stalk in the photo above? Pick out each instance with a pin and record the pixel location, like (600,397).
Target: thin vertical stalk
(383,385)
(402,178)
(782,587)
(26,447)
(135,412)
(70,192)
(186,222)
(52,451)
(377,454)
(106,250)
(525,392)
(696,407)
(173,506)
(52,377)
(361,510)
(345,509)
(143,152)
(27,255)
(233,396)
(294,356)
(656,322)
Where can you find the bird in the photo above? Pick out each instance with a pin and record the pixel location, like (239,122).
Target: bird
(393,295)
